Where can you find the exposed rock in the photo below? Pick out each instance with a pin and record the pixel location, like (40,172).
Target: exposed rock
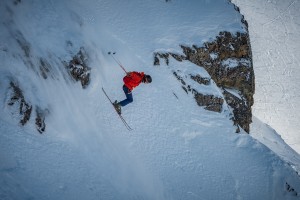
(209,102)
(242,114)
(164,56)
(24,107)
(17,100)
(228,60)
(40,119)
(179,78)
(156,60)
(78,68)
(178,57)
(200,80)
(239,76)
(290,189)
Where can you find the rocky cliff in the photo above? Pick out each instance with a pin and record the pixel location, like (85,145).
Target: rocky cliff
(228,60)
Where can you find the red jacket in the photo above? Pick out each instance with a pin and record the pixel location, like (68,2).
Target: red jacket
(133,79)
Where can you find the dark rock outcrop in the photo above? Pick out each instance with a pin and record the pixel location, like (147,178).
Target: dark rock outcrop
(25,109)
(290,189)
(78,68)
(40,119)
(241,111)
(228,60)
(164,56)
(210,102)
(200,80)
(18,98)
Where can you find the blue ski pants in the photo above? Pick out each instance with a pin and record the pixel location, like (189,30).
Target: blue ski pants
(129,98)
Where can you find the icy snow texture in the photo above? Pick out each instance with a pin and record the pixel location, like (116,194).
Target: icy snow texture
(274,27)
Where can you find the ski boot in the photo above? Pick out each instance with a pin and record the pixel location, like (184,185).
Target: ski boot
(117,107)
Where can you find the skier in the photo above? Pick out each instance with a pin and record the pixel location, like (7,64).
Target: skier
(131,80)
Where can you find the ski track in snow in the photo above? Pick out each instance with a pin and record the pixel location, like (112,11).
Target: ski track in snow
(177,150)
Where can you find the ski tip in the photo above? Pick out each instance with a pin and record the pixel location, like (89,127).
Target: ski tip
(111,53)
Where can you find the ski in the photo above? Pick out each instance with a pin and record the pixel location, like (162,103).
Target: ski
(121,117)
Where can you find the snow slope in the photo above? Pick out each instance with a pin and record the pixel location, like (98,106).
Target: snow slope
(274,31)
(177,150)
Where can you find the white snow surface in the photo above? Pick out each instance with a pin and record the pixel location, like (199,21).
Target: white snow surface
(177,149)
(274,28)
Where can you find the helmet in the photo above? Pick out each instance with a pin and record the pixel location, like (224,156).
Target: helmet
(148,78)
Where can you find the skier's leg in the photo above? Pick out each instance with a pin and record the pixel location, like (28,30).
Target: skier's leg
(129,98)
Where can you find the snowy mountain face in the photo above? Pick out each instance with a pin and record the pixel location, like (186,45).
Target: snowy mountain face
(61,138)
(273,28)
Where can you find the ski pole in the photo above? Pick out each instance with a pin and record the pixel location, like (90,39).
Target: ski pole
(117,61)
